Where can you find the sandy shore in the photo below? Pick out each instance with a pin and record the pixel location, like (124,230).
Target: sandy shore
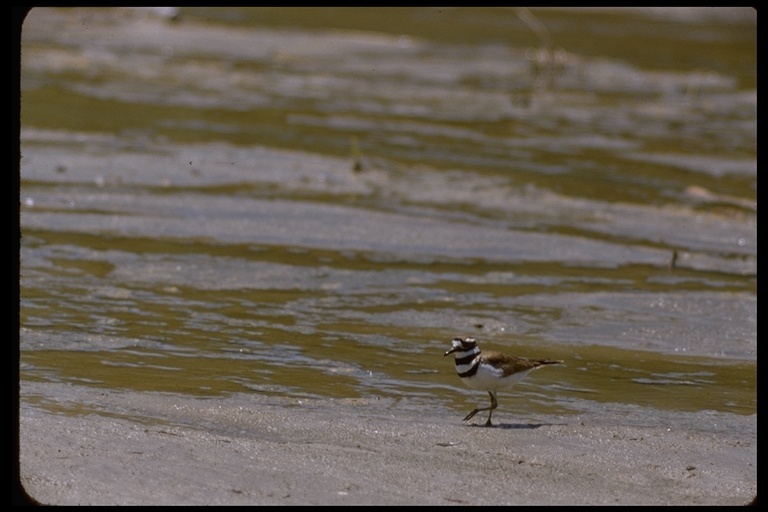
(163,450)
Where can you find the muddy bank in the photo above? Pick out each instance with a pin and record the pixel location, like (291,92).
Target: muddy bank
(291,452)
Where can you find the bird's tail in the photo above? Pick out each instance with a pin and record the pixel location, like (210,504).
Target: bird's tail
(544,362)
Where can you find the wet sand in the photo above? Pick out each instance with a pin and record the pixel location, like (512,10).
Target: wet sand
(156,449)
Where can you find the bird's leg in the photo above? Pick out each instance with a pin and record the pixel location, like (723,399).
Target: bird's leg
(493,405)
(475,411)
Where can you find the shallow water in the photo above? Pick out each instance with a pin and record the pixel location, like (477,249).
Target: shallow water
(302,202)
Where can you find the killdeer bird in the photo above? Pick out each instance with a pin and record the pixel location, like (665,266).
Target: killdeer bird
(490,371)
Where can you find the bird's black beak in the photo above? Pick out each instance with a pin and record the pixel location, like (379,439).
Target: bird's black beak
(454,349)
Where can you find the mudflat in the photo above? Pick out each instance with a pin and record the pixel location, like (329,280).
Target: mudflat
(158,449)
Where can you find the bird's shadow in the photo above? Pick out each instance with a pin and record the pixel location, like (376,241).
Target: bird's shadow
(514,426)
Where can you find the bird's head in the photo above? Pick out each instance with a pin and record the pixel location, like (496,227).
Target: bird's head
(461,344)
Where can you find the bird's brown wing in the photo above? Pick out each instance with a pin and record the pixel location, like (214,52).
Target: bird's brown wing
(513,364)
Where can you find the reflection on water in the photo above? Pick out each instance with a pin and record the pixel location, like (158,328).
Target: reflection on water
(299,203)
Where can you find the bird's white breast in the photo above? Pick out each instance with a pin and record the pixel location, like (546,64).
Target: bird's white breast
(490,378)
